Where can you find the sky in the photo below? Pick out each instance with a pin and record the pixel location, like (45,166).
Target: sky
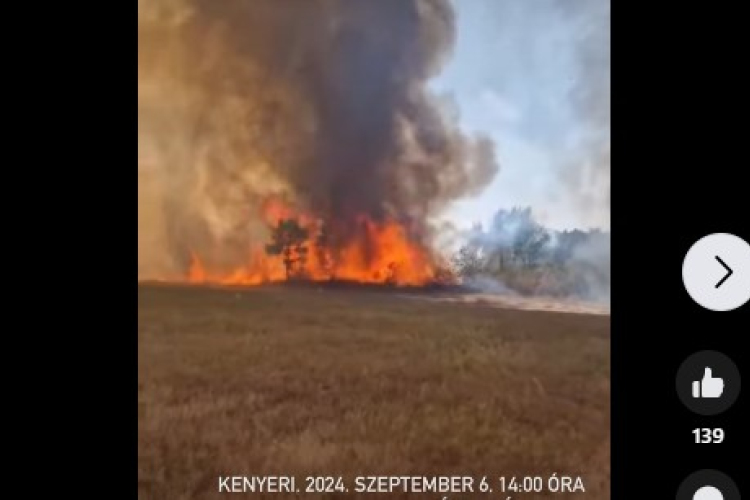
(516,74)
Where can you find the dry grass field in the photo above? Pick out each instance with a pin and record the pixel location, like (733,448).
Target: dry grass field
(278,381)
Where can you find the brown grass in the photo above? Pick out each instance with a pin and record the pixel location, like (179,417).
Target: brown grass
(303,382)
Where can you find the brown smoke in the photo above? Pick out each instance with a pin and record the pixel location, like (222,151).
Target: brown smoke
(321,101)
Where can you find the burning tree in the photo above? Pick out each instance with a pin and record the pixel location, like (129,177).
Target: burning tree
(288,239)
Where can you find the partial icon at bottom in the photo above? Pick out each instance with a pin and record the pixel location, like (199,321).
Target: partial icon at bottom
(708,493)
(708,484)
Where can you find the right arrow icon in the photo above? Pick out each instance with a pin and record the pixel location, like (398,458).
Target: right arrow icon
(701,270)
(729,271)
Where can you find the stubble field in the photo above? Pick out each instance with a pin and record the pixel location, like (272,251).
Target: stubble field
(297,382)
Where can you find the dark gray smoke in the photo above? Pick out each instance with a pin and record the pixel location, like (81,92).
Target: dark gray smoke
(322,102)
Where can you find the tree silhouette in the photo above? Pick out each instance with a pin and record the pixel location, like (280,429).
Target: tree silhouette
(469,261)
(514,237)
(288,239)
(523,255)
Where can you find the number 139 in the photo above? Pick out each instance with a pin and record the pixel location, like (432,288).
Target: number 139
(704,436)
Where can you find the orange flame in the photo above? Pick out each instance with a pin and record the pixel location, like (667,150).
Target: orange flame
(383,254)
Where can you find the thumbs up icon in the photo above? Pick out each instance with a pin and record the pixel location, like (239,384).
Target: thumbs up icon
(709,387)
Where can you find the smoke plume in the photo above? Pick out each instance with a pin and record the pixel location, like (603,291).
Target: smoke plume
(588,174)
(321,102)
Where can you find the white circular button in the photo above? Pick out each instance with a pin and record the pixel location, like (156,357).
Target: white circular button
(708,493)
(716,272)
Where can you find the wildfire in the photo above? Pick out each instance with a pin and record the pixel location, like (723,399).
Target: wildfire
(381,253)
